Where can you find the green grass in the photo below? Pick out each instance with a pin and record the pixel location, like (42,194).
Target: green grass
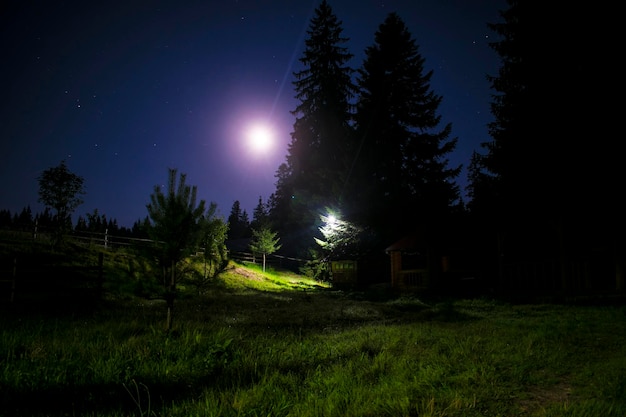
(243,277)
(278,344)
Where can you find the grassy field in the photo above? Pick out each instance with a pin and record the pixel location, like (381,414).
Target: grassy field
(279,344)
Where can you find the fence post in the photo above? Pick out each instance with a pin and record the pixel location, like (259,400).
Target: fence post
(106,238)
(100,274)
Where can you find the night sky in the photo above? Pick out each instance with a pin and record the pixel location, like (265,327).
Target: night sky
(122,91)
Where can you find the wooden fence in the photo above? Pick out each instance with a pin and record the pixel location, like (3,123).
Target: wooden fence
(271,260)
(103,239)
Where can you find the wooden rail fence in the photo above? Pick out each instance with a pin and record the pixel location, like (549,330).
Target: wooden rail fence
(273,260)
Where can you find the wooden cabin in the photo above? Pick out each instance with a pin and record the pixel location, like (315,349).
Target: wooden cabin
(410,264)
(445,266)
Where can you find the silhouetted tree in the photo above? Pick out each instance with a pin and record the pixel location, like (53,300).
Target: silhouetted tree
(24,221)
(96,222)
(402,178)
(215,232)
(61,190)
(6,220)
(320,151)
(176,228)
(271,207)
(81,224)
(535,189)
(238,222)
(260,216)
(140,228)
(112,227)
(215,254)
(245,223)
(44,221)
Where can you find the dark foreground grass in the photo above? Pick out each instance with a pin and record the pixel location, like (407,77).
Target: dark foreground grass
(279,345)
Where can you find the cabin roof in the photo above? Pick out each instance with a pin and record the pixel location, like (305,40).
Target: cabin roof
(409,242)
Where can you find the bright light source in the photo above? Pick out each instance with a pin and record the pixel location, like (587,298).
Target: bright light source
(259,138)
(332,222)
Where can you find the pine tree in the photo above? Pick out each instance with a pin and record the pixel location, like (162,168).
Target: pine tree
(518,183)
(536,187)
(6,220)
(321,146)
(402,177)
(94,222)
(25,220)
(233,220)
(283,203)
(341,239)
(260,216)
(271,207)
(238,222)
(215,230)
(244,223)
(45,220)
(264,241)
(112,226)
(81,224)
(176,228)
(140,228)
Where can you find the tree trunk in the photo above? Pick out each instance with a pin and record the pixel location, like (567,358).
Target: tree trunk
(169,298)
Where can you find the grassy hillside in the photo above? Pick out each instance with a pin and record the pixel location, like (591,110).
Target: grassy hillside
(275,343)
(238,276)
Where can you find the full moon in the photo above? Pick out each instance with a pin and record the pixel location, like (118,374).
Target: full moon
(259,138)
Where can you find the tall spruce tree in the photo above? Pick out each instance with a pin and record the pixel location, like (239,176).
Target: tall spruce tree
(321,146)
(519,185)
(501,173)
(402,178)
(536,187)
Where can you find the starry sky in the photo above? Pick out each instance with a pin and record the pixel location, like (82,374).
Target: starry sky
(124,90)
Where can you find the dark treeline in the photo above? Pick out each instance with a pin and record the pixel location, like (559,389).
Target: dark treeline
(369,144)
(27,221)
(239,223)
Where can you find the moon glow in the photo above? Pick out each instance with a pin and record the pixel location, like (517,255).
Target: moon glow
(260,138)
